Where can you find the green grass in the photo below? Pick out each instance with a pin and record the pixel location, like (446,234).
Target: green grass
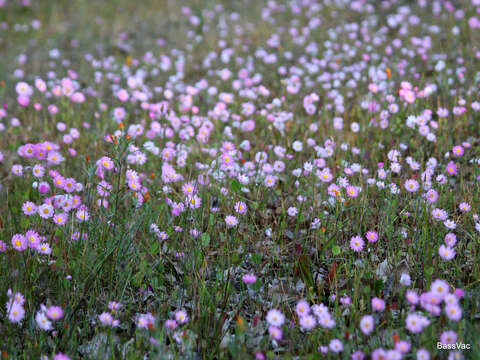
(123,260)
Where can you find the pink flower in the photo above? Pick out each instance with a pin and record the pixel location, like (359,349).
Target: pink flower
(240,207)
(33,239)
(367,324)
(15,311)
(171,324)
(307,322)
(453,312)
(372,236)
(105,318)
(54,312)
(452,168)
(446,252)
(181,316)
(415,323)
(29,208)
(275,333)
(19,242)
(458,150)
(378,304)
(270,180)
(249,278)
(352,191)
(61,356)
(275,318)
(302,308)
(411,185)
(357,243)
(432,196)
(231,221)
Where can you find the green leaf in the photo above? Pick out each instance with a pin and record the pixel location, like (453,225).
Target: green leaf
(236,186)
(256,258)
(205,239)
(336,250)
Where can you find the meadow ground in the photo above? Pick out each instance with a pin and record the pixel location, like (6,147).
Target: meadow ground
(244,179)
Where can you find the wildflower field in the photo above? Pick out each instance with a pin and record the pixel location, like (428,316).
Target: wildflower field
(249,179)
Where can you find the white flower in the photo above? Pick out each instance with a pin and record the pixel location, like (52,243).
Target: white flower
(405,280)
(297,146)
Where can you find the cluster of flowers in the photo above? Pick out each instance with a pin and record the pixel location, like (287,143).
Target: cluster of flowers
(31,239)
(107,318)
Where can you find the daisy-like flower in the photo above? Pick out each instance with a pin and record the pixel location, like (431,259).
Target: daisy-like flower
(448,337)
(249,278)
(194,202)
(55,158)
(450,224)
(17,170)
(240,207)
(452,168)
(42,321)
(371,236)
(231,221)
(402,346)
(352,191)
(189,189)
(38,171)
(439,214)
(358,355)
(464,207)
(446,252)
(29,208)
(33,239)
(336,346)
(60,219)
(275,333)
(302,308)
(106,318)
(54,312)
(45,211)
(145,321)
(423,354)
(171,324)
(23,89)
(82,215)
(450,239)
(378,304)
(292,211)
(19,242)
(134,185)
(458,150)
(114,306)
(367,324)
(106,163)
(181,317)
(412,297)
(61,356)
(15,312)
(453,312)
(44,248)
(69,185)
(405,279)
(357,243)
(432,196)
(411,185)
(440,288)
(275,318)
(270,181)
(416,322)
(307,322)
